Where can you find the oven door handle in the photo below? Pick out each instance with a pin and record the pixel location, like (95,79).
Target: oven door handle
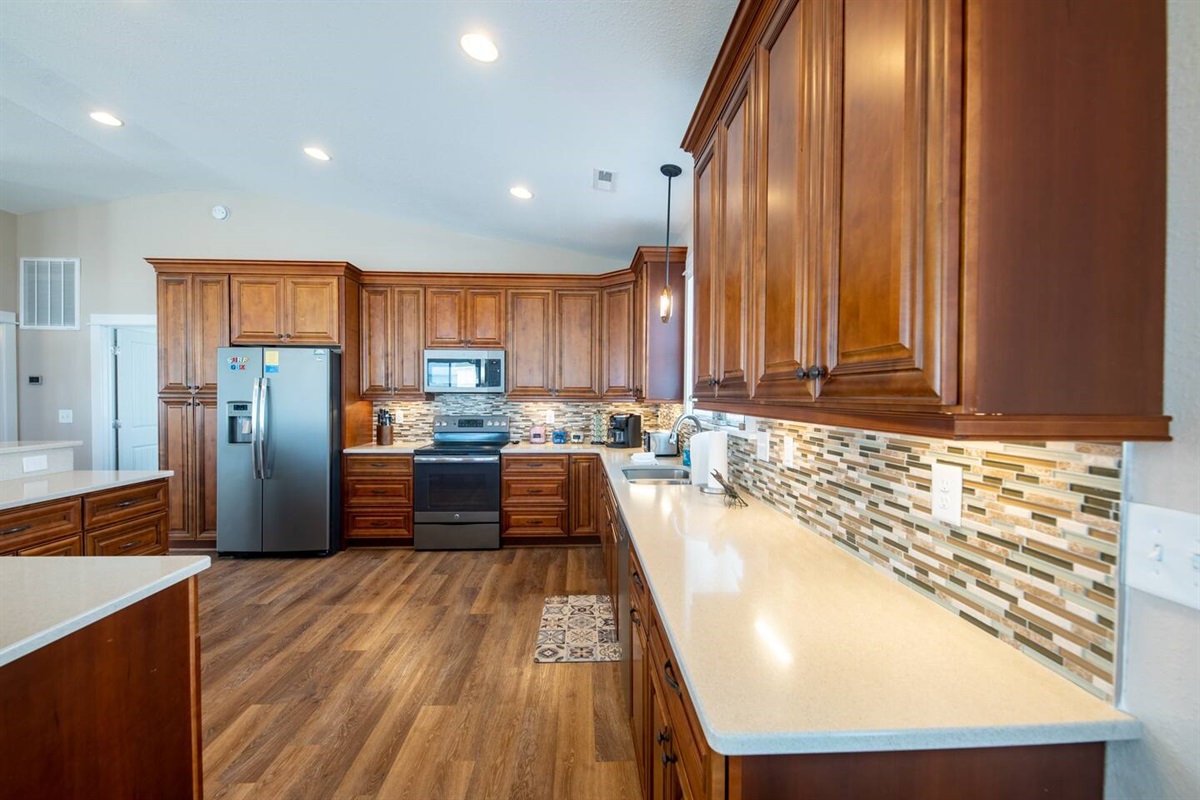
(456,459)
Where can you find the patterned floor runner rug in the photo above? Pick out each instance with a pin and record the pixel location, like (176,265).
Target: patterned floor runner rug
(578,627)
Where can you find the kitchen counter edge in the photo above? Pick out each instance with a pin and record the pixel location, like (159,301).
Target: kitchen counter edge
(57,485)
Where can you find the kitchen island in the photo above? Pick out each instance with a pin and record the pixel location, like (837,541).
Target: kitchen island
(100,677)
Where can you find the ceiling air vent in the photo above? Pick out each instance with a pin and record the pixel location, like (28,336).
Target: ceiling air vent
(50,293)
(604,180)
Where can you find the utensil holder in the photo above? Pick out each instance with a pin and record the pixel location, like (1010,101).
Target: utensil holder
(383,434)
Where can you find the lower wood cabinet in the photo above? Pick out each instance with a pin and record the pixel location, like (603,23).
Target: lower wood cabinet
(378,498)
(128,520)
(187,437)
(534,496)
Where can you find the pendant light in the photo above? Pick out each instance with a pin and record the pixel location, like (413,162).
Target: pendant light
(665,300)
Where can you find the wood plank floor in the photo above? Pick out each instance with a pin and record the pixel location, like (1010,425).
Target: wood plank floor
(397,674)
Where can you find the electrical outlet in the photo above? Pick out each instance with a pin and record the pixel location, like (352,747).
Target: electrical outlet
(35,463)
(789,451)
(947,493)
(549,417)
(764,446)
(65,415)
(398,418)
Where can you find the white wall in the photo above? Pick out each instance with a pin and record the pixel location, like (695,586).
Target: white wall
(113,239)
(8,262)
(1161,640)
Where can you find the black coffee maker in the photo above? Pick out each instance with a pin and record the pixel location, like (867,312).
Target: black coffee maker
(625,430)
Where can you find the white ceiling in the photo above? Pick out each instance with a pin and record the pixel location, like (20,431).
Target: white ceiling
(223,95)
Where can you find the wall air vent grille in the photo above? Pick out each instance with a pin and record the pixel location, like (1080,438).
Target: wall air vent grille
(604,180)
(50,293)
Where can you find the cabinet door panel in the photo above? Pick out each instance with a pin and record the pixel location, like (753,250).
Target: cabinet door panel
(617,381)
(485,318)
(894,283)
(205,429)
(784,271)
(703,265)
(312,310)
(209,327)
(733,270)
(174,293)
(377,340)
(408,328)
(530,324)
(174,433)
(577,337)
(583,495)
(67,546)
(256,310)
(445,317)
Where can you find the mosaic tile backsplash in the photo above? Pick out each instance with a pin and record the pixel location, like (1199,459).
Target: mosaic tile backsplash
(573,416)
(1033,563)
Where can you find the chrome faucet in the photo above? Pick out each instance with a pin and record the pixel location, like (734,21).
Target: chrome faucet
(674,437)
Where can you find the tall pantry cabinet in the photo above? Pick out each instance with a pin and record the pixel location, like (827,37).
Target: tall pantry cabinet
(204,305)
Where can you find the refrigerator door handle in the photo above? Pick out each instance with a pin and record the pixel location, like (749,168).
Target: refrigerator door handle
(265,419)
(255,429)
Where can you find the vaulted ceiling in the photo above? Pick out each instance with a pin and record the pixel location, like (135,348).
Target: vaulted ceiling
(224,95)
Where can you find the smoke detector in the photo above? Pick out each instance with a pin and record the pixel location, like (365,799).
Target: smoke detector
(604,180)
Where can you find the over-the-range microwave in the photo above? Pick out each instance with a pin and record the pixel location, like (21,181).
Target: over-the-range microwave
(464,370)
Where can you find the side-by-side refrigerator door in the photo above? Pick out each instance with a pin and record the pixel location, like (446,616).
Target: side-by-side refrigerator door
(239,489)
(301,419)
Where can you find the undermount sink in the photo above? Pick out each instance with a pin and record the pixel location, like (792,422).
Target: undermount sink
(660,475)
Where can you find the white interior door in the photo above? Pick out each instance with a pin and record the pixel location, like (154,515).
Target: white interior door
(137,399)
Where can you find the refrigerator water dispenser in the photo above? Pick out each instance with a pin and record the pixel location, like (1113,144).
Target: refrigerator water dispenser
(241,426)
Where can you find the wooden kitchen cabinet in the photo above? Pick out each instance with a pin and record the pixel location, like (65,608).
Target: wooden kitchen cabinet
(583,491)
(378,498)
(464,317)
(618,368)
(923,258)
(534,496)
(193,321)
(392,342)
(127,520)
(278,309)
(187,430)
(43,529)
(658,346)
(554,344)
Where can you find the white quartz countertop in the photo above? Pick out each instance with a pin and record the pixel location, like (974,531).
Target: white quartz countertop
(44,599)
(56,485)
(788,644)
(22,447)
(396,448)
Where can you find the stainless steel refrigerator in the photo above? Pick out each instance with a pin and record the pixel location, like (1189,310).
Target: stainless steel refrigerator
(278,451)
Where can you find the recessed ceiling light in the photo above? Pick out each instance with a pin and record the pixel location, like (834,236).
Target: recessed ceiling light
(520,192)
(479,47)
(105,118)
(317,153)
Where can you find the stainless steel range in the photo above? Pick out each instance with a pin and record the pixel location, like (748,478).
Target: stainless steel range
(456,484)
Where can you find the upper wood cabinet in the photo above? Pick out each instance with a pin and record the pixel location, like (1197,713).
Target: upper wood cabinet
(464,317)
(193,321)
(393,330)
(273,309)
(888,234)
(618,357)
(554,344)
(658,346)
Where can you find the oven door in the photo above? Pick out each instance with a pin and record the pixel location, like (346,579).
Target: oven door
(456,489)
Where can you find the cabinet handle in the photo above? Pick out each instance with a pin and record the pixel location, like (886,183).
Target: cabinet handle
(279,336)
(379,491)
(378,524)
(128,545)
(669,758)
(816,373)
(669,677)
(378,465)
(664,736)
(637,580)
(535,491)
(537,465)
(17,529)
(635,617)
(535,522)
(127,504)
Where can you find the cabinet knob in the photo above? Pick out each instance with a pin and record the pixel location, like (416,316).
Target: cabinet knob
(664,736)
(669,758)
(816,372)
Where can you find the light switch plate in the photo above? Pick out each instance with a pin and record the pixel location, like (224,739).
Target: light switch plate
(789,451)
(65,415)
(1162,553)
(947,493)
(764,446)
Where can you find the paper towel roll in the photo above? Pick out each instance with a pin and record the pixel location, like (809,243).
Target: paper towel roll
(718,457)
(698,444)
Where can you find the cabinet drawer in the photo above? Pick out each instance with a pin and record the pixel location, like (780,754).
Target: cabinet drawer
(378,524)
(66,546)
(145,536)
(34,525)
(690,744)
(535,522)
(116,505)
(540,465)
(382,491)
(536,491)
(357,465)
